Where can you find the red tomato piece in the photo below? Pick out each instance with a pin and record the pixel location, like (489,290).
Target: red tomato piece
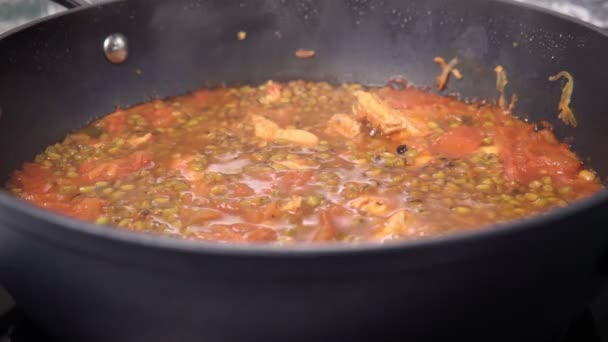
(115,122)
(198,216)
(54,205)
(292,179)
(139,159)
(95,170)
(410,98)
(160,117)
(33,179)
(204,97)
(243,190)
(47,200)
(458,142)
(327,230)
(181,163)
(87,209)
(262,234)
(256,214)
(528,155)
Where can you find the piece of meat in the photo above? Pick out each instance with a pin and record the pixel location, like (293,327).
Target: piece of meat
(269,130)
(492,149)
(272,93)
(398,225)
(136,141)
(371,108)
(298,137)
(370,205)
(343,125)
(422,159)
(296,162)
(264,128)
(292,204)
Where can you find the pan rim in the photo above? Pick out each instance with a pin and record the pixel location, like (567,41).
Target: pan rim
(515,3)
(113,234)
(158,241)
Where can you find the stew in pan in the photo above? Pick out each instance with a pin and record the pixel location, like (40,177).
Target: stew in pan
(306,162)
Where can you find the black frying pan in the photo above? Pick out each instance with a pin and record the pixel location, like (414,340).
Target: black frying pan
(516,282)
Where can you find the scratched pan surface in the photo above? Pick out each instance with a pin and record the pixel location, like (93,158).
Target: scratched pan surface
(524,280)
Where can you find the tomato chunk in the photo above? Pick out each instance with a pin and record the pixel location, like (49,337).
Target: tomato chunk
(115,123)
(292,179)
(95,170)
(206,97)
(243,190)
(33,179)
(528,155)
(162,117)
(39,189)
(458,142)
(87,209)
(198,216)
(182,164)
(157,114)
(327,230)
(411,98)
(256,214)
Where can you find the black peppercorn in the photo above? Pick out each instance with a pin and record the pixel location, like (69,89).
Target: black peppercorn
(401,149)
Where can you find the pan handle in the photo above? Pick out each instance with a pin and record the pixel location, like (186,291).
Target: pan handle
(72,3)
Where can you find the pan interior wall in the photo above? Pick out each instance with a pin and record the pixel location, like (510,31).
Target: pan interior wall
(55,77)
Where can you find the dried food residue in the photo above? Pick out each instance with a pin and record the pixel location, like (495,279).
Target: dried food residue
(303,53)
(565,112)
(501,84)
(446,70)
